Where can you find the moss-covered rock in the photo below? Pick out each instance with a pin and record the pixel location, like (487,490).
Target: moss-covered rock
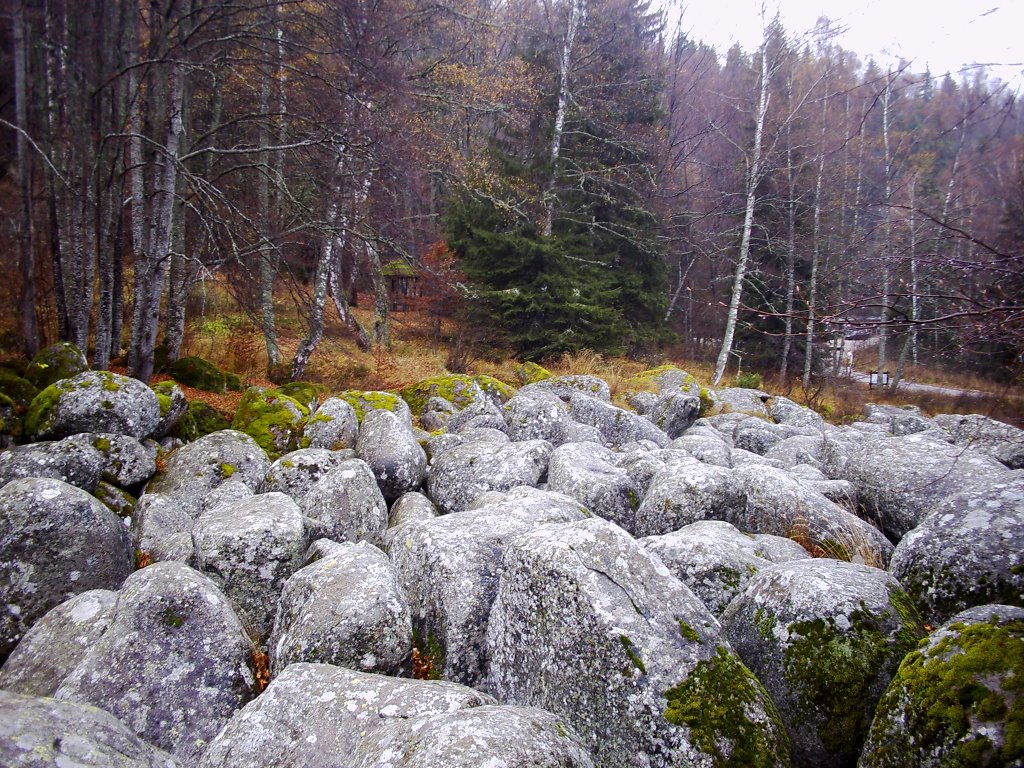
(458,389)
(199,419)
(117,500)
(306,392)
(233,382)
(18,389)
(958,700)
(172,403)
(10,421)
(93,401)
(364,402)
(56,362)
(530,373)
(273,420)
(198,373)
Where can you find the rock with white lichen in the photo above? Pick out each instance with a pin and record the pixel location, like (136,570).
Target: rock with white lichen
(297,472)
(332,426)
(980,433)
(387,444)
(348,502)
(93,401)
(69,460)
(684,492)
(588,472)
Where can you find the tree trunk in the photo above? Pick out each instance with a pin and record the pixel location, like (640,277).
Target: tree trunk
(883,312)
(27,304)
(790,275)
(812,290)
(267,253)
(564,71)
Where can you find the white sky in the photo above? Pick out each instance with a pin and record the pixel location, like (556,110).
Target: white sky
(943,34)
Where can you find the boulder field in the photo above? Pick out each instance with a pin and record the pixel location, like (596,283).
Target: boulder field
(545,579)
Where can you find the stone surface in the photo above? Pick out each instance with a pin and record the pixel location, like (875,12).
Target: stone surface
(317,715)
(43,733)
(272,419)
(968,551)
(69,460)
(616,425)
(993,438)
(182,684)
(462,473)
(594,629)
(127,462)
(589,473)
(956,700)
(674,412)
(57,643)
(387,445)
(55,542)
(825,637)
(348,502)
(537,414)
(741,400)
(56,362)
(333,426)
(173,406)
(346,608)
(297,472)
(684,492)
(93,401)
(707,448)
(785,411)
(162,528)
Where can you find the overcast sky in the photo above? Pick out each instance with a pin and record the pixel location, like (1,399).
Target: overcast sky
(943,34)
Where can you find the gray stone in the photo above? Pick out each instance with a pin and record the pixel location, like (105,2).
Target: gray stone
(685,492)
(348,502)
(388,447)
(296,472)
(462,473)
(162,529)
(714,559)
(825,637)
(485,434)
(480,411)
(126,461)
(249,548)
(757,435)
(785,411)
(536,414)
(448,567)
(171,410)
(57,643)
(438,444)
(55,542)
(410,507)
(675,412)
(190,673)
(742,458)
(616,425)
(993,438)
(332,426)
(589,473)
(228,492)
(968,551)
(42,733)
(197,468)
(68,460)
(594,629)
(742,400)
(93,401)
(317,715)
(706,448)
(345,608)
(798,449)
(564,387)
(498,736)
(955,701)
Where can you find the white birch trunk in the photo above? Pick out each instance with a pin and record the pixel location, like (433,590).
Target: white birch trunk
(564,67)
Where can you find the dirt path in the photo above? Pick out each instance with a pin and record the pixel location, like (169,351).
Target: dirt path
(863,377)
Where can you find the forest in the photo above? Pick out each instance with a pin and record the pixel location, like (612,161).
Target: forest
(560,175)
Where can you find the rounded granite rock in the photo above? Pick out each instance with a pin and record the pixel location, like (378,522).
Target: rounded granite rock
(387,444)
(93,401)
(332,426)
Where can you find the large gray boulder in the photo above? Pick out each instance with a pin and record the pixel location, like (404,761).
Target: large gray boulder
(162,529)
(684,492)
(448,567)
(346,608)
(195,469)
(536,414)
(899,479)
(173,665)
(592,628)
(706,447)
(717,561)
(348,502)
(249,548)
(499,736)
(675,412)
(297,472)
(616,425)
(38,732)
(333,426)
(968,551)
(127,462)
(955,701)
(93,401)
(741,400)
(317,715)
(462,473)
(985,435)
(386,443)
(69,460)
(410,507)
(757,436)
(564,387)
(55,542)
(825,637)
(57,643)
(589,473)
(798,449)
(785,411)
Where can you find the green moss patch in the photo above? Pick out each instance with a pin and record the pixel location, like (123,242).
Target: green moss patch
(18,389)
(713,701)
(364,402)
(199,419)
(273,420)
(60,361)
(198,373)
(456,388)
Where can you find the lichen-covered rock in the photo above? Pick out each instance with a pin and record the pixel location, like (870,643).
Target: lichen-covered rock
(38,732)
(955,701)
(273,420)
(498,736)
(684,492)
(318,714)
(332,426)
(785,411)
(899,479)
(387,445)
(742,400)
(716,561)
(348,502)
(776,502)
(462,473)
(128,463)
(458,389)
(481,412)
(675,412)
(448,567)
(345,608)
(93,401)
(985,435)
(199,419)
(55,542)
(592,628)
(757,435)
(173,664)
(249,548)
(198,373)
(118,501)
(798,449)
(537,414)
(197,468)
(69,460)
(667,378)
(173,405)
(295,473)
(564,387)
(616,425)
(825,637)
(707,448)
(56,362)
(57,643)
(162,529)
(365,401)
(968,551)
(589,473)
